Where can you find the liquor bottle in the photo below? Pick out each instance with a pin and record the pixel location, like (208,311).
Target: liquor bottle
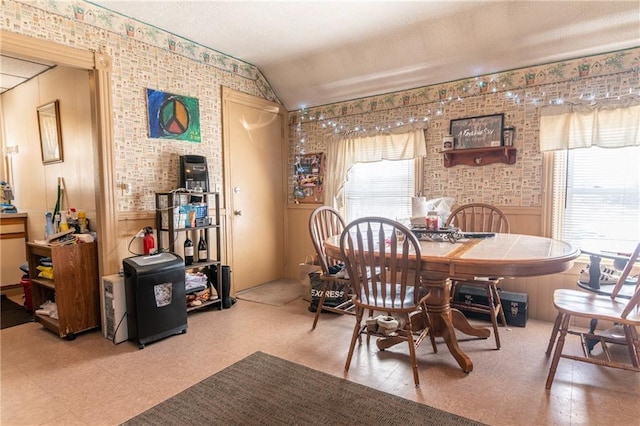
(202,248)
(188,250)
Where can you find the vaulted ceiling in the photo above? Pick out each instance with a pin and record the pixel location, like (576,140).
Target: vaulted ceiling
(320,52)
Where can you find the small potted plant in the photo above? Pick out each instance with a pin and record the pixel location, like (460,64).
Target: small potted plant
(130,29)
(78,12)
(530,78)
(583,69)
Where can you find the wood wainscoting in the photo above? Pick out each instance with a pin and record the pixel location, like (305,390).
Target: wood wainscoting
(523,220)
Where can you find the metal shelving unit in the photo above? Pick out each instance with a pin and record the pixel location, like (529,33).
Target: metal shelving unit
(170,225)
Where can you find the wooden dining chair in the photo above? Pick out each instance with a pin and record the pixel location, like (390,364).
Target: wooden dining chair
(393,251)
(621,311)
(325,222)
(480,217)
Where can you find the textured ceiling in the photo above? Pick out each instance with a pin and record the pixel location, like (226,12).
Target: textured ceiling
(319,52)
(15,71)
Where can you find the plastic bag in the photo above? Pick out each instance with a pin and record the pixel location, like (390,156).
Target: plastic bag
(308,266)
(335,292)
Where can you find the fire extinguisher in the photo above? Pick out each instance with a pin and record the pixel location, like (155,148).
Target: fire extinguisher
(148,242)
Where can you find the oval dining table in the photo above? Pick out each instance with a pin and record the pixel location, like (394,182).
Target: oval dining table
(500,255)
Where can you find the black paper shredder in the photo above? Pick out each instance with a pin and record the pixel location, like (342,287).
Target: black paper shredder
(156,299)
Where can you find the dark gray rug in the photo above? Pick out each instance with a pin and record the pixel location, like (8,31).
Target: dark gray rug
(265,390)
(12,314)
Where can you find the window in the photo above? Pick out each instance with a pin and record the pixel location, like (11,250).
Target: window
(380,188)
(596,197)
(375,175)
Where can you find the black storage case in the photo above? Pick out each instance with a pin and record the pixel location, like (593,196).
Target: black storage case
(514,304)
(156,299)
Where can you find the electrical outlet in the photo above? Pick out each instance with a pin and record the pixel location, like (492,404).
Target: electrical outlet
(127,189)
(217,187)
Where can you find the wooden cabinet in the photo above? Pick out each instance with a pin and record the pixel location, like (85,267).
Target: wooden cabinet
(74,287)
(13,235)
(479,156)
(172,229)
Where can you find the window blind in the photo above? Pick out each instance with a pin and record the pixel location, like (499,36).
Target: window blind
(381,188)
(598,204)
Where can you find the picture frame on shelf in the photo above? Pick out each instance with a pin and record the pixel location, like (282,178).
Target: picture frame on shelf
(50,132)
(477,132)
(447,142)
(508,136)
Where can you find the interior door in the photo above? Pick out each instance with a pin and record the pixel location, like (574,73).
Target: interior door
(255,182)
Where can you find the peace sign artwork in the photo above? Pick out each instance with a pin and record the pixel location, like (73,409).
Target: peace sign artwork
(173,116)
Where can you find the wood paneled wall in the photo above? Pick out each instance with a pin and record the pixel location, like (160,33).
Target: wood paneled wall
(35,184)
(523,220)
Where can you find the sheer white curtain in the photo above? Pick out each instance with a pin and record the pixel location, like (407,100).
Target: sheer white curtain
(607,124)
(343,153)
(593,151)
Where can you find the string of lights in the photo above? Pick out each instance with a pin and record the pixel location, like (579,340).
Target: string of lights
(550,94)
(337,126)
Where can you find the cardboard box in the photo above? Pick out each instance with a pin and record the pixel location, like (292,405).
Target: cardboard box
(514,304)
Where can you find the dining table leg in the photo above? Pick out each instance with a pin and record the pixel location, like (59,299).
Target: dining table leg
(444,320)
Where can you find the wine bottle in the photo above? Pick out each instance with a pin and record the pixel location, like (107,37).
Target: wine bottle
(188,250)
(202,248)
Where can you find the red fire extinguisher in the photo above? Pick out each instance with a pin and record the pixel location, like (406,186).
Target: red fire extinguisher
(148,242)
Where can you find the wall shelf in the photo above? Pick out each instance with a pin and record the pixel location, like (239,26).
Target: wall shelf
(479,156)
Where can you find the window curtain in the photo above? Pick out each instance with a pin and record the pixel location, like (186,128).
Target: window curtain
(605,124)
(346,151)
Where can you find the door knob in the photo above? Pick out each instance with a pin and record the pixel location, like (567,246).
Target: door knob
(237,212)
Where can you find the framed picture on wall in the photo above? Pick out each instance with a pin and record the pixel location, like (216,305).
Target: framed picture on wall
(50,133)
(477,132)
(310,178)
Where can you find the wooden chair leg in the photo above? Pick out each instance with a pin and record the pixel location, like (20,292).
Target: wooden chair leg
(499,305)
(493,314)
(325,287)
(354,337)
(559,346)
(454,289)
(431,336)
(412,356)
(554,333)
(631,335)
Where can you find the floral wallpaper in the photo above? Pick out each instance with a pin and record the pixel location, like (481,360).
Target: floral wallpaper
(518,94)
(143,57)
(147,57)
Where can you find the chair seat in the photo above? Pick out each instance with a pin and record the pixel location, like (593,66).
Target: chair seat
(407,303)
(590,305)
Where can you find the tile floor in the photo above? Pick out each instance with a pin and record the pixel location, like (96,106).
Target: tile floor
(90,381)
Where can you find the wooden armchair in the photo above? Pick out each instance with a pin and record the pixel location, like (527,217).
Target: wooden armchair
(393,251)
(479,217)
(324,222)
(621,311)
